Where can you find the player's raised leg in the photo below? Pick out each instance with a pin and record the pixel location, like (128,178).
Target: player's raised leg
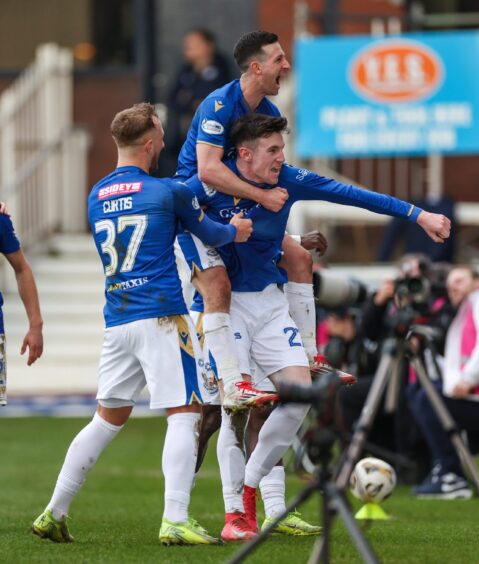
(298,263)
(210,278)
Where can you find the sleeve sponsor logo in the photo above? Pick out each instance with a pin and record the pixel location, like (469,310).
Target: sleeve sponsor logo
(302,173)
(195,203)
(119,189)
(396,71)
(212,127)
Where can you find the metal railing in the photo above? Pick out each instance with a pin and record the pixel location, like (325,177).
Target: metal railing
(43,157)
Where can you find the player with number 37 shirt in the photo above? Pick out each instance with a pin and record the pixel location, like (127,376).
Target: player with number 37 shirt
(149,338)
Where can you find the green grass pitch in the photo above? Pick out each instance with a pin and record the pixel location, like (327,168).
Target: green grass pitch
(116,516)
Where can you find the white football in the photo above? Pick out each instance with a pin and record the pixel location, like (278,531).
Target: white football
(372,480)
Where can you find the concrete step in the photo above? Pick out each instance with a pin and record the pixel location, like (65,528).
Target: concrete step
(78,245)
(44,379)
(61,334)
(55,354)
(77,311)
(59,270)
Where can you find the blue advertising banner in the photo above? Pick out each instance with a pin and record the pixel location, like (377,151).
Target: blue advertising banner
(411,94)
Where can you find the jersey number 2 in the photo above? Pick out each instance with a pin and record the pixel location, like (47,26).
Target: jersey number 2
(139,222)
(294,332)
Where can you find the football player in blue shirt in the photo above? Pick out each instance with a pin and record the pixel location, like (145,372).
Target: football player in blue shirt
(263,65)
(265,333)
(33,340)
(149,338)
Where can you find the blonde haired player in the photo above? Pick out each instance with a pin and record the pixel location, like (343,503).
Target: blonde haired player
(149,338)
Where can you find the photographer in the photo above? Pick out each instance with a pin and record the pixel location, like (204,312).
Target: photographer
(460,390)
(413,297)
(349,350)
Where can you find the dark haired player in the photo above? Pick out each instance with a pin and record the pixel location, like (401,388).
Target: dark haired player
(265,333)
(263,64)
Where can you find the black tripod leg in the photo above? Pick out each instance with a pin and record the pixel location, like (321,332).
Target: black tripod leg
(365,421)
(338,504)
(253,544)
(448,423)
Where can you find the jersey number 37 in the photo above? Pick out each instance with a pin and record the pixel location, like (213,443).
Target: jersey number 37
(139,224)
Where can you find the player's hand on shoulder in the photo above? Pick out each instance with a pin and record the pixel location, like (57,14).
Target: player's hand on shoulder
(274,199)
(3,209)
(436,225)
(244,227)
(315,241)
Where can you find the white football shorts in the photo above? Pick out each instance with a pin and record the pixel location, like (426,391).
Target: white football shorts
(195,254)
(210,374)
(161,353)
(265,333)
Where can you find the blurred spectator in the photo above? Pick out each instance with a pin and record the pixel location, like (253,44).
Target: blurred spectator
(460,390)
(204,69)
(414,239)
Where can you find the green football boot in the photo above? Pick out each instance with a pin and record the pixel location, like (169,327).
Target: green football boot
(188,532)
(47,527)
(292,524)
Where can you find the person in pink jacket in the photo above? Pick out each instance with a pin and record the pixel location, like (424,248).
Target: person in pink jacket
(460,390)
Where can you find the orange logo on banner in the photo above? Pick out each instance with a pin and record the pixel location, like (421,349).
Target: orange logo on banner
(396,71)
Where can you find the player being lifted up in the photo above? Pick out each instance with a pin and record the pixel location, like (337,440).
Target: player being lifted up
(149,338)
(260,321)
(263,64)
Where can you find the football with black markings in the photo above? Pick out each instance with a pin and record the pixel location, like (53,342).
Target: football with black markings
(372,480)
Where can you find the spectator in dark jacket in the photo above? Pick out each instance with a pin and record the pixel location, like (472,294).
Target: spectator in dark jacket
(204,69)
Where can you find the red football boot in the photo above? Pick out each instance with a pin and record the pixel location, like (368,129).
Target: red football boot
(321,366)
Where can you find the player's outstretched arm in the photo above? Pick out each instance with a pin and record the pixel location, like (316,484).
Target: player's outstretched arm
(213,171)
(306,185)
(28,292)
(436,225)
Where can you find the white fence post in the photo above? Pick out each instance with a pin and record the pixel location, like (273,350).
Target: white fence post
(42,157)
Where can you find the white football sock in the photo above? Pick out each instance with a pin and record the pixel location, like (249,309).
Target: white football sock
(82,455)
(219,340)
(178,463)
(231,459)
(273,489)
(275,437)
(303,311)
